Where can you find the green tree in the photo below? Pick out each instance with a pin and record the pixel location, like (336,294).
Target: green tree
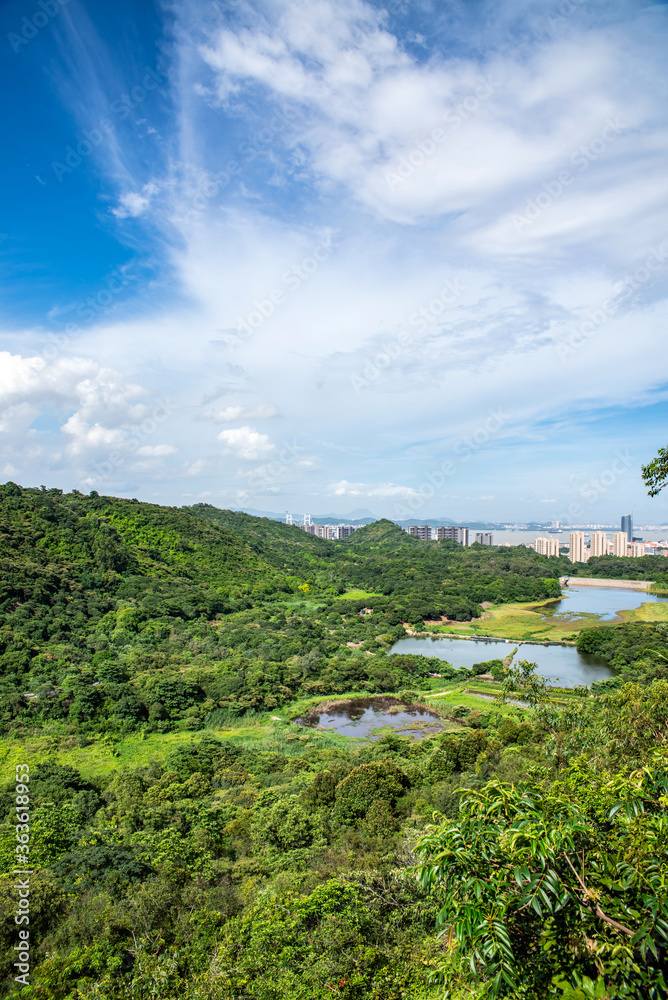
(655,473)
(539,889)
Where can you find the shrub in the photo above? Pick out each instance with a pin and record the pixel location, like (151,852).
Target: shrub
(369,783)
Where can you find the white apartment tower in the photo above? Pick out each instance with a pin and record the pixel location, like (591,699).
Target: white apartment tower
(576,547)
(547,546)
(484,538)
(619,544)
(599,543)
(460,535)
(637,550)
(422,531)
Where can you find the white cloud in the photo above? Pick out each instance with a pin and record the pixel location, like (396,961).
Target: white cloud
(195,468)
(156,450)
(383,490)
(246,443)
(411,141)
(135,203)
(87,436)
(230,413)
(330,104)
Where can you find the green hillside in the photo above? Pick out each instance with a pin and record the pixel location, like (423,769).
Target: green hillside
(186,841)
(119,614)
(383,535)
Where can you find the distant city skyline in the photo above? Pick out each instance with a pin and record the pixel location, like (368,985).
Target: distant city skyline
(361,515)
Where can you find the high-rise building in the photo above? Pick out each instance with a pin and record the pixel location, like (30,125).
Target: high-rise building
(576,547)
(460,535)
(422,531)
(627,526)
(547,546)
(637,550)
(619,544)
(599,543)
(345,530)
(484,538)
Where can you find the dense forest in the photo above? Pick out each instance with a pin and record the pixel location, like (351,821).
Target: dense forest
(121,615)
(519,852)
(620,568)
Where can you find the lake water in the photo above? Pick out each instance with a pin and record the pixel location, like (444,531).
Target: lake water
(561,665)
(604,602)
(358,719)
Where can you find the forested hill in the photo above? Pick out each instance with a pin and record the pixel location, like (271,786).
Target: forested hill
(238,855)
(116,612)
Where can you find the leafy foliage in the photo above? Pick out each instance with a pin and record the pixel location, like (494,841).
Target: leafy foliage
(655,473)
(563,882)
(637,650)
(117,615)
(284,869)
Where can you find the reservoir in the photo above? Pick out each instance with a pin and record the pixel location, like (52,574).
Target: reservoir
(561,665)
(604,602)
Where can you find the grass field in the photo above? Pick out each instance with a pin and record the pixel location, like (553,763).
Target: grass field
(356,595)
(275,731)
(646,613)
(270,732)
(526,621)
(519,621)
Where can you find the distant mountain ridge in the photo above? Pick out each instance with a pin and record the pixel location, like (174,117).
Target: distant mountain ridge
(361,516)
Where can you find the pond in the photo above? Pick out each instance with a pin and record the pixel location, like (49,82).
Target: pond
(561,665)
(604,602)
(361,716)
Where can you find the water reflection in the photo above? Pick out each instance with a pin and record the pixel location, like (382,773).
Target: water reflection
(561,665)
(603,602)
(358,718)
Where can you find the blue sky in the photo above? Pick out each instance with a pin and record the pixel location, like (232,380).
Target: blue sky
(411,258)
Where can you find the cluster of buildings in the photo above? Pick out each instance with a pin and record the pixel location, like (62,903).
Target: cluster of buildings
(622,543)
(459,535)
(330,531)
(600,545)
(424,531)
